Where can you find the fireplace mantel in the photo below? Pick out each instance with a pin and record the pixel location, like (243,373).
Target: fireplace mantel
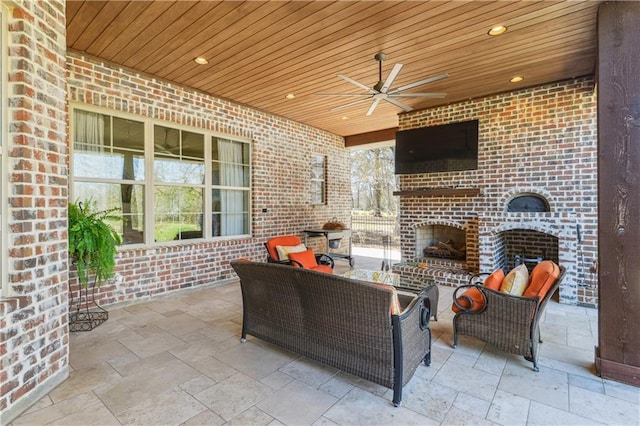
(435,192)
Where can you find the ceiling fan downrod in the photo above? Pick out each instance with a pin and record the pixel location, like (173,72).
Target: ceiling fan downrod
(379,57)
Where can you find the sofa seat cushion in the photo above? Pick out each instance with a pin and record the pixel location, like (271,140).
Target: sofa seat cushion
(322,268)
(472,300)
(543,276)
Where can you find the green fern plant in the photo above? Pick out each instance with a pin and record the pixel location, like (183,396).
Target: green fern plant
(92,241)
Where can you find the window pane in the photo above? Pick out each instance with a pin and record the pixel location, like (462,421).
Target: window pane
(128,198)
(193,145)
(123,165)
(178,212)
(91,131)
(176,171)
(317,192)
(230,212)
(166,141)
(128,134)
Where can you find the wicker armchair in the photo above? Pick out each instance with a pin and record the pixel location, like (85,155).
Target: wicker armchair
(510,323)
(324,261)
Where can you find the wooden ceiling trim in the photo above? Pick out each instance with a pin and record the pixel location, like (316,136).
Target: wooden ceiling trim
(107,15)
(486,59)
(238,45)
(194,43)
(371,137)
(120,25)
(339,51)
(82,17)
(249,88)
(447,51)
(170,38)
(227,37)
(269,59)
(137,24)
(170,15)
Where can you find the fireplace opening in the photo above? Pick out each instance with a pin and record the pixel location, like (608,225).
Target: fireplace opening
(530,247)
(443,242)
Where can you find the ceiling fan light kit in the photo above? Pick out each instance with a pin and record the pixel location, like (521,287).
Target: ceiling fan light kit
(382,91)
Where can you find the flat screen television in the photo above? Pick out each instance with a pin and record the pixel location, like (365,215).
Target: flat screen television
(444,148)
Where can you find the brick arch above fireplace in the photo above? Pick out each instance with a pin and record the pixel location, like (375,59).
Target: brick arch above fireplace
(559,225)
(542,193)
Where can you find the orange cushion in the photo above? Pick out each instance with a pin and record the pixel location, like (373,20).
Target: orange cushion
(286,240)
(322,268)
(476,301)
(516,281)
(305,258)
(543,276)
(494,281)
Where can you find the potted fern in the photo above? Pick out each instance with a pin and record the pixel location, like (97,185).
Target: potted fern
(93,245)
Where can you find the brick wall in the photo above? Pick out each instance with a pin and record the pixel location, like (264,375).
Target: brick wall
(281,155)
(540,140)
(33,309)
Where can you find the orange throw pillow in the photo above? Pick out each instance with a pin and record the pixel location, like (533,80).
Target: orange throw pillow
(543,276)
(476,303)
(305,258)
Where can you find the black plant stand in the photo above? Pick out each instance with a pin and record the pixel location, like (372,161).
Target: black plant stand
(84,312)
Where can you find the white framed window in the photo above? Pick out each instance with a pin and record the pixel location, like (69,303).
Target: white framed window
(318,180)
(162,177)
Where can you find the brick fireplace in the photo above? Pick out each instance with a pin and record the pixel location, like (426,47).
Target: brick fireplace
(532,197)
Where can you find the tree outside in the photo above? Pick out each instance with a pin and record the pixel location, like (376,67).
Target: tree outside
(374,213)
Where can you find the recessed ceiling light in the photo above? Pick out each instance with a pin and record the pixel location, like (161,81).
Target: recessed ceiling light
(344,117)
(201,61)
(517,79)
(290,96)
(497,30)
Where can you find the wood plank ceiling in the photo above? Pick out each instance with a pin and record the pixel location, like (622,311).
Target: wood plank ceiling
(259,52)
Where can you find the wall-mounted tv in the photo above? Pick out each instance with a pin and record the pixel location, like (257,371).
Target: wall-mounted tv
(445,148)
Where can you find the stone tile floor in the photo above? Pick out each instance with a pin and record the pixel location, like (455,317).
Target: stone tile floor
(178,360)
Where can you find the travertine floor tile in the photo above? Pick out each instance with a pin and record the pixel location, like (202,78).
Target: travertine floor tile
(466,379)
(508,409)
(603,408)
(363,408)
(55,412)
(431,401)
(310,372)
(147,384)
(171,407)
(547,386)
(234,395)
(255,360)
(297,404)
(545,415)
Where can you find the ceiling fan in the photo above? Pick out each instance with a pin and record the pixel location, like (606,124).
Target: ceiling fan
(382,90)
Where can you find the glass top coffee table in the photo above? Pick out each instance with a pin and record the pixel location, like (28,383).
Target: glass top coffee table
(393,279)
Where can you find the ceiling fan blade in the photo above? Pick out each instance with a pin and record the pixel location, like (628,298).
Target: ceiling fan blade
(399,104)
(392,76)
(357,83)
(359,101)
(418,95)
(343,94)
(419,83)
(373,106)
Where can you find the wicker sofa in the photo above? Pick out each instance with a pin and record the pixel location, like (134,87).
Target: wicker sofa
(341,322)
